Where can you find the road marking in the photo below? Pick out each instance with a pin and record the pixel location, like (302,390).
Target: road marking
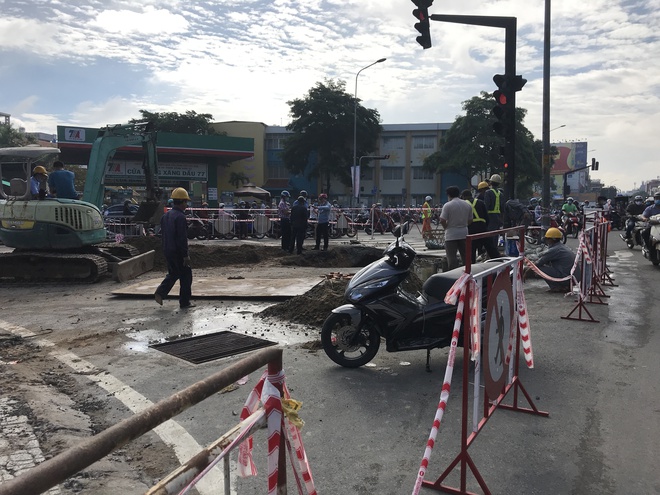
(172,433)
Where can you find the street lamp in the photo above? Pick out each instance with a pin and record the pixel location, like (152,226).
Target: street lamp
(563,125)
(355,160)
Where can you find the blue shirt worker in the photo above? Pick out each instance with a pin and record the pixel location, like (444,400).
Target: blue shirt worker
(323,222)
(39,183)
(60,182)
(174,231)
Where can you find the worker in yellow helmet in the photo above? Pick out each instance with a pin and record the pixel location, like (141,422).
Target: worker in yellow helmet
(557,262)
(174,231)
(427,214)
(39,182)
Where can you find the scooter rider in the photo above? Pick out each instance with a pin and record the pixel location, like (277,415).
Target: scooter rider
(568,209)
(635,208)
(652,210)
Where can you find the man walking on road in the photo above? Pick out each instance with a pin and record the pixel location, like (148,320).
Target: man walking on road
(174,230)
(455,217)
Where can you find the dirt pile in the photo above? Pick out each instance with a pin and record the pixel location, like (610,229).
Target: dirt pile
(216,254)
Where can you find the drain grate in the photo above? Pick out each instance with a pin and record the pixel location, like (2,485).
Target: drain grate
(212,346)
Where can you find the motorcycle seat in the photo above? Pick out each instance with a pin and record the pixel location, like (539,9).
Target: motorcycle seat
(436,286)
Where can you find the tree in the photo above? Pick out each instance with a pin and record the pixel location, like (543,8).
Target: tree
(471,147)
(185,123)
(323,128)
(238,179)
(11,137)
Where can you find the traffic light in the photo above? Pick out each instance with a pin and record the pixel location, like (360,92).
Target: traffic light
(594,164)
(421,13)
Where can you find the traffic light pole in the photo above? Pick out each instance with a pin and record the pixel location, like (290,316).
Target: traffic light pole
(510,24)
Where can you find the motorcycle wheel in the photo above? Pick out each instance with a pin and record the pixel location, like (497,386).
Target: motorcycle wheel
(654,257)
(351,231)
(576,232)
(367,230)
(347,345)
(564,237)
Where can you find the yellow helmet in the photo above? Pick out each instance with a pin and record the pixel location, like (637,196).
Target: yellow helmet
(482,185)
(180,193)
(553,233)
(39,170)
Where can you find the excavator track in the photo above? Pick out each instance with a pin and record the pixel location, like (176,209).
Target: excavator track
(37,266)
(119,250)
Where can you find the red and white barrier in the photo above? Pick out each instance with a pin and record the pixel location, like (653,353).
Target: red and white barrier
(263,392)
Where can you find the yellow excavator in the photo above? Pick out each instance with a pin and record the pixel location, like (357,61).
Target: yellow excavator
(65,239)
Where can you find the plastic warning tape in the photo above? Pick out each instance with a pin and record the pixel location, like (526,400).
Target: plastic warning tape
(446,385)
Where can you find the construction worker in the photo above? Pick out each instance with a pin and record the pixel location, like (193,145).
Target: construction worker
(479,225)
(427,214)
(494,199)
(60,182)
(557,262)
(39,183)
(174,231)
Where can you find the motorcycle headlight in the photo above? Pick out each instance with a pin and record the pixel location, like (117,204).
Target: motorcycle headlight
(362,291)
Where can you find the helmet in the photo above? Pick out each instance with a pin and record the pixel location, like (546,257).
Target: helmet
(285,194)
(569,199)
(323,196)
(39,170)
(657,195)
(496,178)
(205,204)
(303,193)
(482,185)
(533,201)
(639,198)
(180,193)
(221,205)
(428,198)
(649,200)
(553,233)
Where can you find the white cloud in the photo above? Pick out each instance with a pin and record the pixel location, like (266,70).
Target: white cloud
(244,60)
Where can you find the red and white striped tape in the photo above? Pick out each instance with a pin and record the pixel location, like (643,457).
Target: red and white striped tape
(523,322)
(301,467)
(446,385)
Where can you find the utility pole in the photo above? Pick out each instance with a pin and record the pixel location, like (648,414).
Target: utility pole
(546,164)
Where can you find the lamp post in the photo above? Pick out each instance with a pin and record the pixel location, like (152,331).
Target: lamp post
(355,160)
(563,125)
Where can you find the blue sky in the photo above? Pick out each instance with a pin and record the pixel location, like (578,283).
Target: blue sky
(92,63)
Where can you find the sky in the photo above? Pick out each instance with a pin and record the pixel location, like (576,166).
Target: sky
(92,63)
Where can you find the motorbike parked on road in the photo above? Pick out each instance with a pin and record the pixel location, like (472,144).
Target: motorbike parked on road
(377,307)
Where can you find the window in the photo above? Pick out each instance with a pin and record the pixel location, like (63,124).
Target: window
(277,171)
(423,142)
(393,143)
(420,173)
(276,141)
(392,173)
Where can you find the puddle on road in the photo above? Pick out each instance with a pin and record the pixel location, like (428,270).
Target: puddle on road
(233,316)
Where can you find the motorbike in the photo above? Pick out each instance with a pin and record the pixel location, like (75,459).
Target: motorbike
(377,307)
(572,224)
(199,228)
(635,238)
(653,254)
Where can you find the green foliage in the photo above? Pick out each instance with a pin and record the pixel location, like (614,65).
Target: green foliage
(185,123)
(323,126)
(470,147)
(11,137)
(238,179)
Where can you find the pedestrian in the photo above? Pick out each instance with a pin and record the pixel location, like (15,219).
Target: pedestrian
(39,183)
(455,217)
(60,182)
(427,213)
(243,217)
(284,214)
(323,222)
(174,232)
(299,216)
(479,225)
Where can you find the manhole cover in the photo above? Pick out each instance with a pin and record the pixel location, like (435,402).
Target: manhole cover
(212,346)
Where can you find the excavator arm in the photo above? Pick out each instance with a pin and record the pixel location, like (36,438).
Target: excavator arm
(109,140)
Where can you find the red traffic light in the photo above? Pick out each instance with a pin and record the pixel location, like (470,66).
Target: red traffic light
(500,97)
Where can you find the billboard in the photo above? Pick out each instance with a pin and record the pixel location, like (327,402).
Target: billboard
(570,156)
